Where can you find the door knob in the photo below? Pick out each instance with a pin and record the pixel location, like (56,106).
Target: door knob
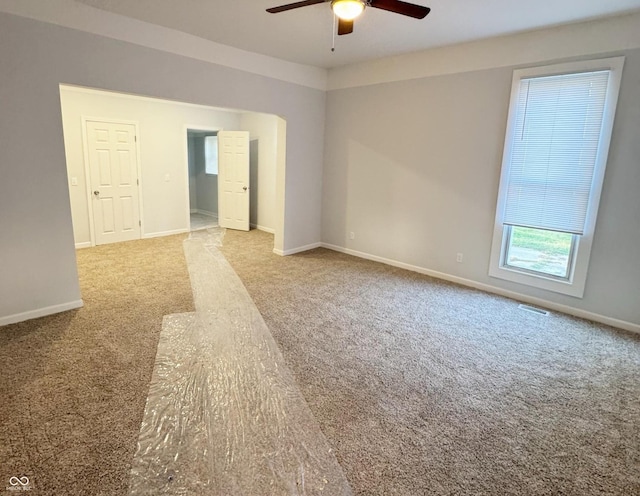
(244,188)
(96,193)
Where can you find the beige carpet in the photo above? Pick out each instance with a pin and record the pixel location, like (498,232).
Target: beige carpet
(73,386)
(427,388)
(422,387)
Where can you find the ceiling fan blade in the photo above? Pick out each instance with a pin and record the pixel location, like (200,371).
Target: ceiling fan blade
(296,5)
(404,8)
(345,27)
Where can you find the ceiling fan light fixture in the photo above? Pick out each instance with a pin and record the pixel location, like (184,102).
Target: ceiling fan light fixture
(347,9)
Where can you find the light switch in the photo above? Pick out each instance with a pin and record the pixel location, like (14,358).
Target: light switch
(167,177)
(74,181)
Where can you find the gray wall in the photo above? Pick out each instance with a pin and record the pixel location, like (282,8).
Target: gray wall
(37,258)
(263,159)
(254,180)
(413,167)
(192,172)
(206,184)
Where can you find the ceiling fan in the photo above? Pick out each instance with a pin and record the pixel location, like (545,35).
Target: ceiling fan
(348,10)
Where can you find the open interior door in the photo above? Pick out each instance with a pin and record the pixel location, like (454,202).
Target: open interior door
(233,179)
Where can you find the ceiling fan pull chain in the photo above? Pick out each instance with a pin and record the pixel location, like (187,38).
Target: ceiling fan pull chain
(333,31)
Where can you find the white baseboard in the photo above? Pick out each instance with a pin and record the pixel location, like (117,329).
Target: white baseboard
(193,211)
(263,228)
(40,312)
(164,233)
(299,249)
(576,312)
(205,212)
(87,244)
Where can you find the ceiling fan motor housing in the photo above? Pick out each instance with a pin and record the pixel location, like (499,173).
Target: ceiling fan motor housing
(348,9)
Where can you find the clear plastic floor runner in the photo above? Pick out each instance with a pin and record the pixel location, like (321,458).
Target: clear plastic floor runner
(224,415)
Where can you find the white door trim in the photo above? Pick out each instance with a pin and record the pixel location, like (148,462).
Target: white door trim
(87,170)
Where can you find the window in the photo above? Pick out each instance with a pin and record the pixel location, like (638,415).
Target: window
(556,146)
(211,155)
(538,250)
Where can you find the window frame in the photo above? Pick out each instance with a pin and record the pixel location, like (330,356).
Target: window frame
(575,283)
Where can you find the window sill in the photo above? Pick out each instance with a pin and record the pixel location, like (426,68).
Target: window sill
(571,287)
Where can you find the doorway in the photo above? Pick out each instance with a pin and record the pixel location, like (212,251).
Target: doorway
(202,149)
(219,173)
(162,160)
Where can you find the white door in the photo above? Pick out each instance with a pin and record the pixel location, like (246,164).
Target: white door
(114,181)
(233,179)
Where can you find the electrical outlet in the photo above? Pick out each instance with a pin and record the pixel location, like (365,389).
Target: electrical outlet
(352,235)
(459,257)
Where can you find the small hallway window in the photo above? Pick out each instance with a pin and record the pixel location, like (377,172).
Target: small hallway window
(211,155)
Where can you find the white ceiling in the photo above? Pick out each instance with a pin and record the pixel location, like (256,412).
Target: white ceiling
(305,35)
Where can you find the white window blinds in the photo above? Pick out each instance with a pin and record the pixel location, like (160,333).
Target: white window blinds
(554,149)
